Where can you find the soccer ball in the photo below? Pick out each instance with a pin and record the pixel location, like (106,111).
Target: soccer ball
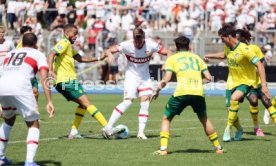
(124,134)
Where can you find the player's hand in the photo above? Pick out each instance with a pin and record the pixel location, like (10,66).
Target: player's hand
(163,67)
(265,91)
(50,109)
(52,74)
(154,96)
(206,59)
(111,59)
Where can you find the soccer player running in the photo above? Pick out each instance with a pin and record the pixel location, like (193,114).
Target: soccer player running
(189,91)
(137,78)
(16,95)
(242,63)
(61,67)
(5,47)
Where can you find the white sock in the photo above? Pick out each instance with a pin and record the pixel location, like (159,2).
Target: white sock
(118,112)
(32,143)
(143,116)
(5,130)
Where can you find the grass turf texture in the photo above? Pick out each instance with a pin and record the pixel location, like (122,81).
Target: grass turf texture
(188,143)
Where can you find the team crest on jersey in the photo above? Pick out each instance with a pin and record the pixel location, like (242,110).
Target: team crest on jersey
(59,47)
(237,55)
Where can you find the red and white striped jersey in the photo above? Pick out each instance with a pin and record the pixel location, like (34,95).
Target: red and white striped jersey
(138,59)
(20,66)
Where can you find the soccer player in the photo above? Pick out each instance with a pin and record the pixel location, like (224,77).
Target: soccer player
(189,91)
(16,95)
(24,30)
(5,47)
(61,67)
(137,78)
(242,63)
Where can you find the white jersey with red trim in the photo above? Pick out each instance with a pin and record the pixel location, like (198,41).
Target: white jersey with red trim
(138,59)
(5,47)
(20,66)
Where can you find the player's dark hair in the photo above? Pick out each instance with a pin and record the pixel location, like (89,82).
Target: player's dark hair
(182,43)
(226,30)
(29,40)
(25,29)
(243,36)
(69,26)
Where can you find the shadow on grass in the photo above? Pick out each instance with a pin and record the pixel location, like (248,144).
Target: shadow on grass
(153,136)
(193,151)
(41,163)
(83,137)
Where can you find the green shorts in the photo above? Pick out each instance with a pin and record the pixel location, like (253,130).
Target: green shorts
(71,89)
(34,83)
(176,105)
(243,88)
(256,91)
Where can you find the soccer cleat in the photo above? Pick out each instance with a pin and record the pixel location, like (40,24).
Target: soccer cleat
(5,161)
(76,136)
(161,152)
(238,135)
(266,117)
(226,136)
(107,133)
(219,151)
(259,132)
(142,136)
(30,164)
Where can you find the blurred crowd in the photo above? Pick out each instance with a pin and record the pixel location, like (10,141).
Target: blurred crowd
(108,17)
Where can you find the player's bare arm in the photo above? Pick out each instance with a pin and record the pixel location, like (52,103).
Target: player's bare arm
(161,85)
(165,52)
(219,55)
(88,59)
(261,70)
(47,90)
(50,60)
(207,77)
(109,52)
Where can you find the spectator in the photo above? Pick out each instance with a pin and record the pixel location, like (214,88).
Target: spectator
(39,5)
(51,13)
(80,5)
(71,15)
(11,11)
(268,54)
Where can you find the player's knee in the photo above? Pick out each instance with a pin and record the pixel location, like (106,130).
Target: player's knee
(253,100)
(35,91)
(266,101)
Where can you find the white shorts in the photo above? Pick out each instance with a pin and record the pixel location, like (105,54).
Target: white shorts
(134,88)
(24,105)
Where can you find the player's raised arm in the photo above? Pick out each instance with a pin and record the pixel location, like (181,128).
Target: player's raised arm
(109,52)
(88,59)
(51,56)
(219,55)
(165,52)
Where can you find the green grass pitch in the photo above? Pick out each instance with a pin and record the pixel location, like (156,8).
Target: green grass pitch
(188,143)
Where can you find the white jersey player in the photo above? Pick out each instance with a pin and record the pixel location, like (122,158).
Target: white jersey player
(16,94)
(137,78)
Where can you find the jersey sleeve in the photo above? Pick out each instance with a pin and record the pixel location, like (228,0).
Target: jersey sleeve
(259,53)
(42,62)
(154,46)
(250,55)
(203,66)
(122,47)
(60,47)
(170,65)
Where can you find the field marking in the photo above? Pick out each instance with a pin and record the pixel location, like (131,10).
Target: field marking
(134,131)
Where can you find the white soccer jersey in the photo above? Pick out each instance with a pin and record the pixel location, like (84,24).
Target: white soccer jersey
(138,59)
(20,66)
(6,47)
